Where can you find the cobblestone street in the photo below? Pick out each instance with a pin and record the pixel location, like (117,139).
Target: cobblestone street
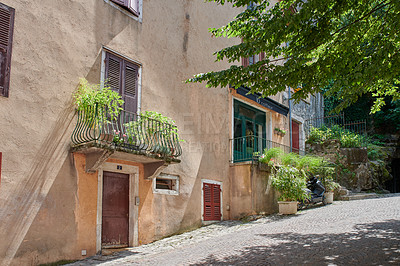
(362,232)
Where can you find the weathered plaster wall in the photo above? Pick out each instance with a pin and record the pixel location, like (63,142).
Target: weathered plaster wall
(251,191)
(55,43)
(241,191)
(53,234)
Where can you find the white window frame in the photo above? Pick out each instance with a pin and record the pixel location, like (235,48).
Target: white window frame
(126,12)
(175,178)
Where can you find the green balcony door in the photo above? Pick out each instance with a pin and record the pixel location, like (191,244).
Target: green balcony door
(249,131)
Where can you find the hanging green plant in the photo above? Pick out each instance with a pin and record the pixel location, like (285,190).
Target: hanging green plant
(95,101)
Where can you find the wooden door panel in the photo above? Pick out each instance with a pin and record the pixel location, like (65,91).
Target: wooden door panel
(295,136)
(115,222)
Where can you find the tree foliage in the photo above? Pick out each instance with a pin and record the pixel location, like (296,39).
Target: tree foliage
(350,46)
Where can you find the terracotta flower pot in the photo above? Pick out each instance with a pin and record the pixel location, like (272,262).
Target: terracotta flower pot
(328,197)
(287,207)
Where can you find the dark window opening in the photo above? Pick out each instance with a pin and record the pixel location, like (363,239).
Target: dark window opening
(164,184)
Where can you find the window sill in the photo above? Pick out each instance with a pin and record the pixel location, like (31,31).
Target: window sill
(166,192)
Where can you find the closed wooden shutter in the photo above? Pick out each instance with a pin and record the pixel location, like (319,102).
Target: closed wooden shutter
(217,201)
(212,202)
(130,87)
(122,76)
(113,72)
(245,61)
(6,33)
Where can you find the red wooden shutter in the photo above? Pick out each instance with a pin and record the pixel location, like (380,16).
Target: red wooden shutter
(212,202)
(207,194)
(262,56)
(130,87)
(217,202)
(295,136)
(6,33)
(245,61)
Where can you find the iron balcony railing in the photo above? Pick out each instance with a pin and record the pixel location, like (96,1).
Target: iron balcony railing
(343,127)
(247,147)
(128,132)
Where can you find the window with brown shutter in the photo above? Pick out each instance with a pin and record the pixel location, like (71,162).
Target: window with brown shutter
(122,76)
(6,32)
(131,5)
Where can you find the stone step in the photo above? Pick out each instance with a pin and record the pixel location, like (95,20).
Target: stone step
(359,196)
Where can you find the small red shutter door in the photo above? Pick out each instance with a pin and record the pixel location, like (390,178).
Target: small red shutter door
(217,202)
(295,136)
(207,194)
(212,202)
(6,32)
(130,87)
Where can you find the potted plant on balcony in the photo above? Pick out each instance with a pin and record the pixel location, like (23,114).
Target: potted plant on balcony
(290,182)
(95,100)
(98,105)
(280,131)
(154,131)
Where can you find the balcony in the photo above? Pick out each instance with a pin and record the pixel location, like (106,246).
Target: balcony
(131,136)
(244,148)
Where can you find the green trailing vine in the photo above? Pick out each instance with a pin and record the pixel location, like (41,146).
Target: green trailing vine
(95,101)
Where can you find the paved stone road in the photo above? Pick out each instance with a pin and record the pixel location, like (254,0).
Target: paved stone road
(363,232)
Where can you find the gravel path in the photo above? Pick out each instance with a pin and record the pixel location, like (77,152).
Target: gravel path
(362,232)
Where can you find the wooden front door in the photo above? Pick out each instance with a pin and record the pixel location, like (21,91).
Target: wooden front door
(212,202)
(295,137)
(115,217)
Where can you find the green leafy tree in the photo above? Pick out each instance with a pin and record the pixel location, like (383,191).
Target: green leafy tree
(350,46)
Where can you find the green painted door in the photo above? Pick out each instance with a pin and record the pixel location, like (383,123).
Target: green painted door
(249,131)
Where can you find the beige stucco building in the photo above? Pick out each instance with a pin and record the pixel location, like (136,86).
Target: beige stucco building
(55,191)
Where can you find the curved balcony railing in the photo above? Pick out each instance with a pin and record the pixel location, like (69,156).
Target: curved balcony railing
(129,132)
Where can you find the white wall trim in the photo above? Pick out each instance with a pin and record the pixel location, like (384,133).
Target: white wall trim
(167,191)
(202,198)
(133,172)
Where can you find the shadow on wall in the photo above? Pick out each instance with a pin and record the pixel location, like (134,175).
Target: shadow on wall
(368,244)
